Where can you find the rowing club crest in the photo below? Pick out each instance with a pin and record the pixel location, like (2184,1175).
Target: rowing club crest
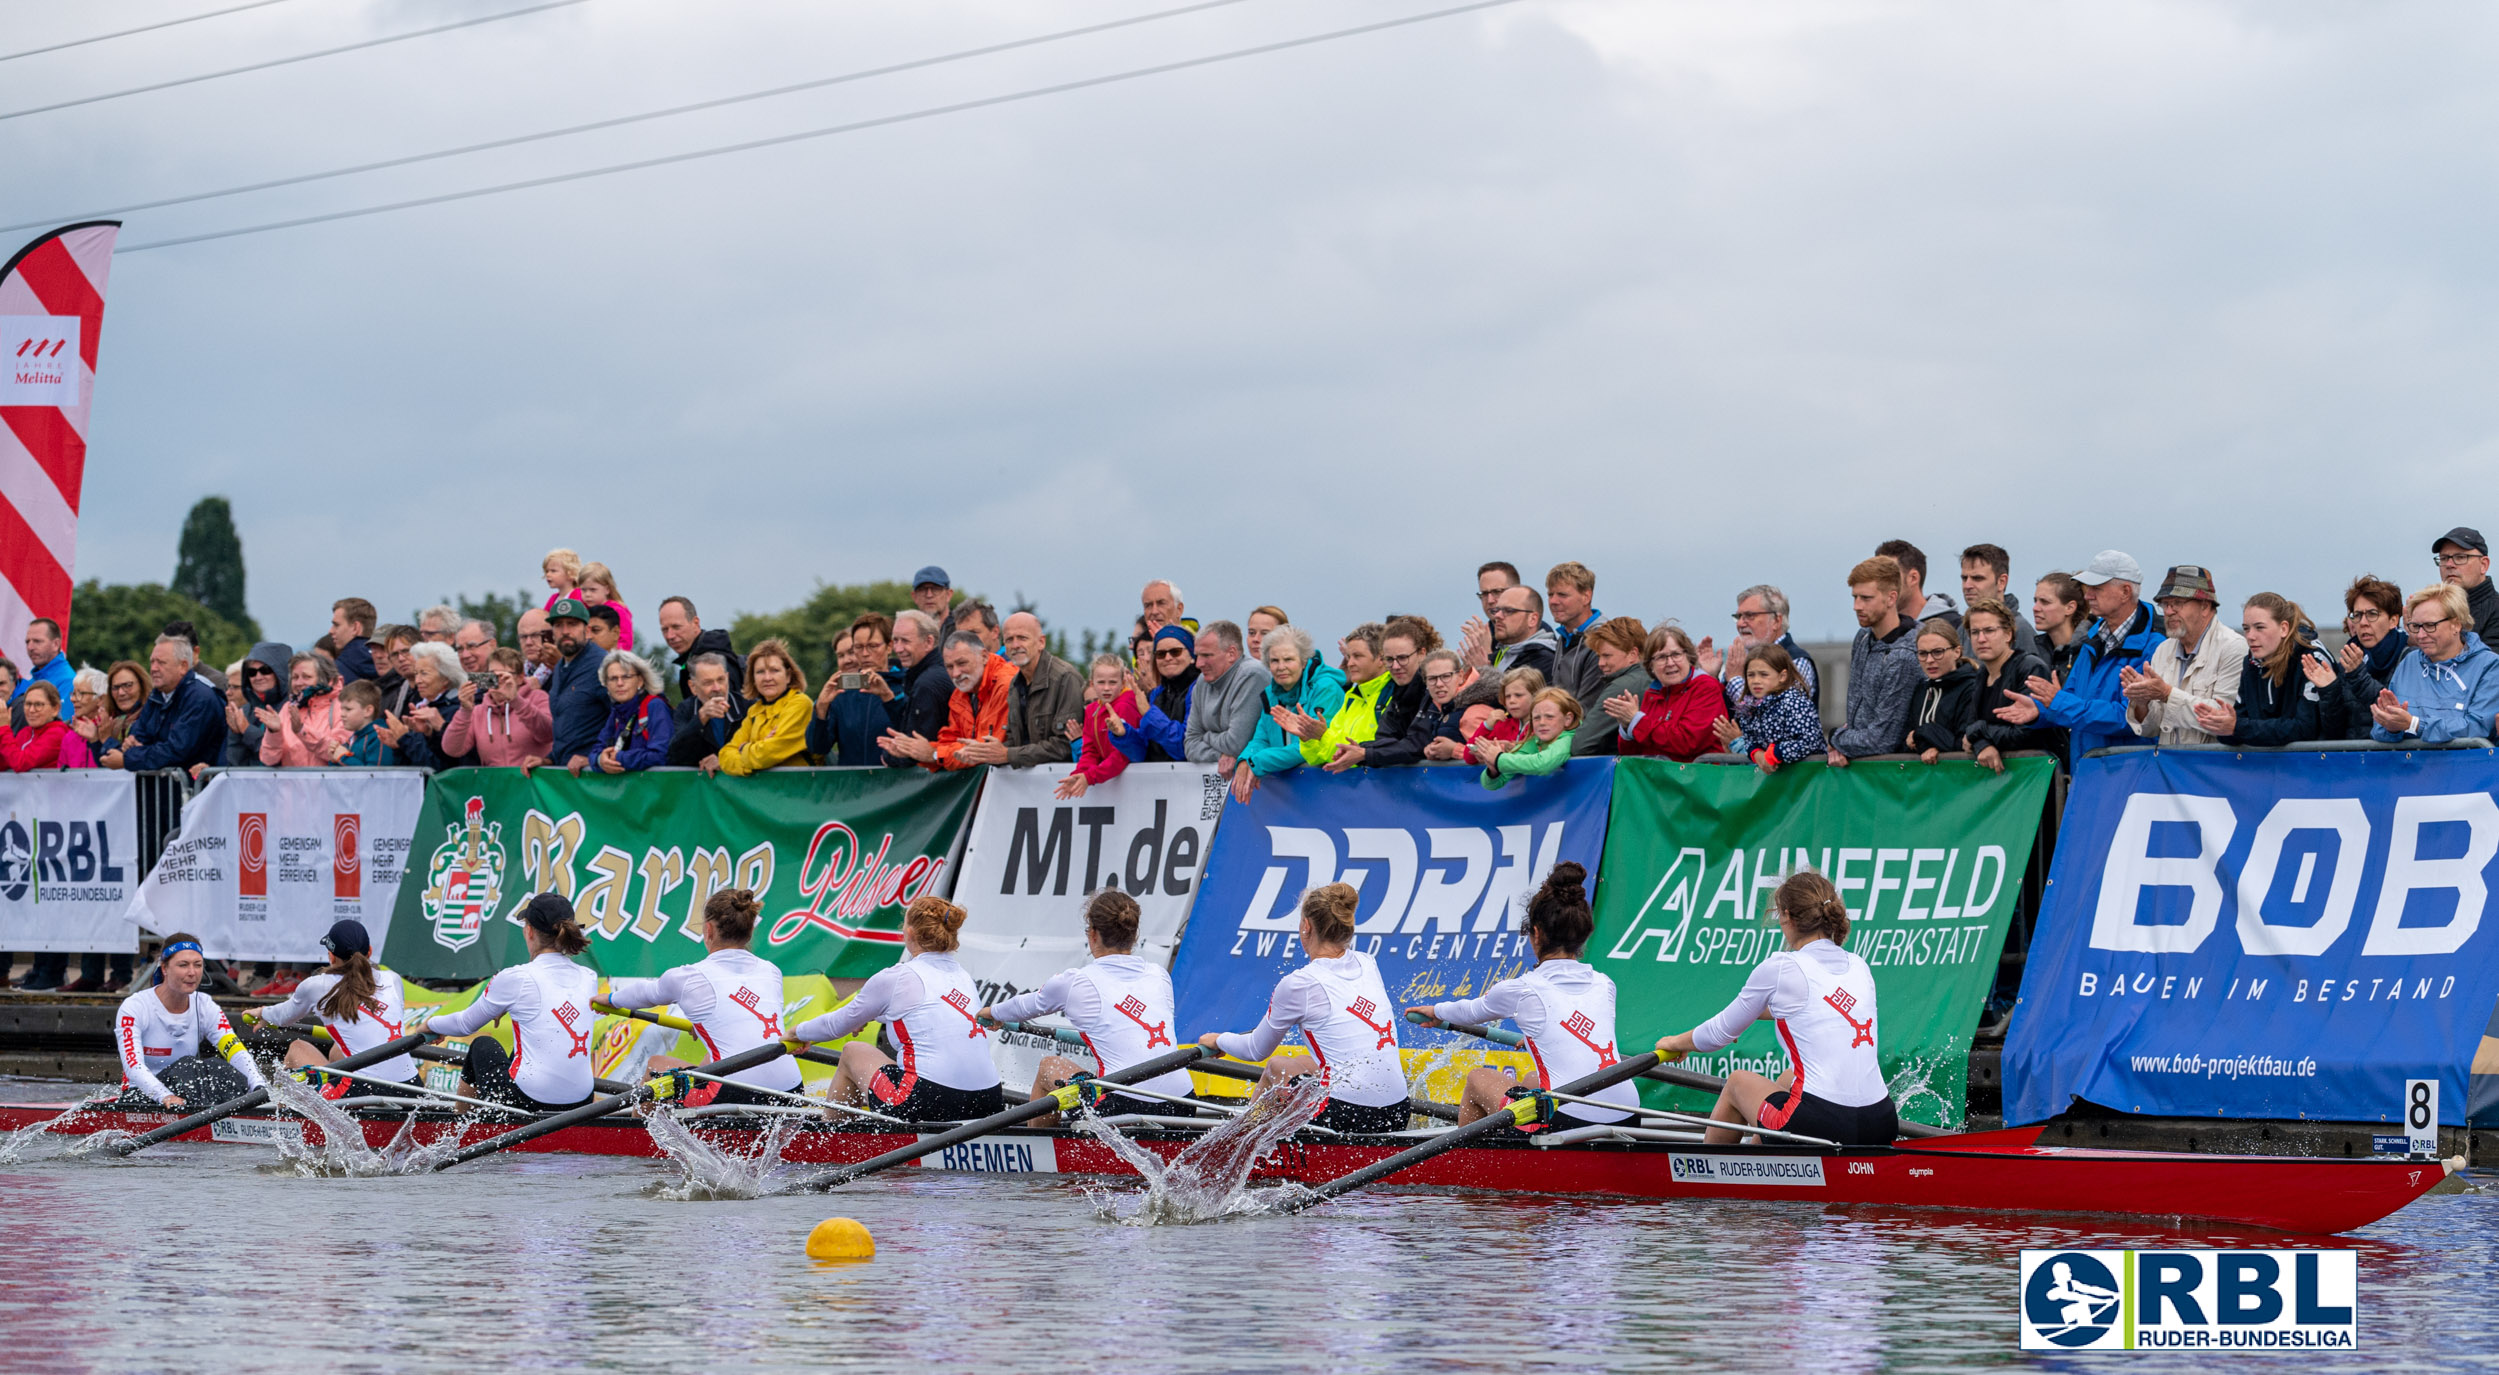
(465,878)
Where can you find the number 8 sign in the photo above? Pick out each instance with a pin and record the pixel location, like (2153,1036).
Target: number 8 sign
(2421,1117)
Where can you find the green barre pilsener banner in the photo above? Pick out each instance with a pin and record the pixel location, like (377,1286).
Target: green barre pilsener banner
(1928,857)
(836,854)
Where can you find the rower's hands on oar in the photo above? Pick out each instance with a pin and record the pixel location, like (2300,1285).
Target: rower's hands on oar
(1671,1049)
(1209,1041)
(1422,1016)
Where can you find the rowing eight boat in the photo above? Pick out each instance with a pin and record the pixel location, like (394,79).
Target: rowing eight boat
(1998,1171)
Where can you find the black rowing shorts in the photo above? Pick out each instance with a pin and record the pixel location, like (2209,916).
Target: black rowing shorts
(1874,1124)
(918,1098)
(1355,1119)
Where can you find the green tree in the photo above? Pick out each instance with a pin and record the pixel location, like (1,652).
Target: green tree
(209,564)
(122,622)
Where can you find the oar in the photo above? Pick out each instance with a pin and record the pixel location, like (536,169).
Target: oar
(1521,1111)
(1057,1100)
(1663,1074)
(257,1097)
(601,1107)
(446,1055)
(799,1050)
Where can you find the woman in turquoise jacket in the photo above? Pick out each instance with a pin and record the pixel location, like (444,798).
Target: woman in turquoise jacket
(1304,693)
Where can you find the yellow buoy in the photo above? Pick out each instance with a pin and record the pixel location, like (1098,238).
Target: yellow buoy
(840,1238)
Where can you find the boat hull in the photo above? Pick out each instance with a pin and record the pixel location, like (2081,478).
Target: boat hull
(2003,1172)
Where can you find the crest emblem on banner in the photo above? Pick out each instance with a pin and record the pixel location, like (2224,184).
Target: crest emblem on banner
(465,878)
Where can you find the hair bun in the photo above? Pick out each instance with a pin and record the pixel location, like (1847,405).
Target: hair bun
(1567,875)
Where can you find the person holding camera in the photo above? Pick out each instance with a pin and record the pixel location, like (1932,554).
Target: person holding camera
(306,731)
(503,714)
(852,709)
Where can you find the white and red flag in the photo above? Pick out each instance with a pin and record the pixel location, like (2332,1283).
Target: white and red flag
(51,313)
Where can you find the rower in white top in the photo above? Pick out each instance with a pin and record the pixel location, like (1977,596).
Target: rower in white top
(361,1005)
(166,1036)
(1345,1016)
(1120,1004)
(732,997)
(1563,1007)
(932,1012)
(1822,998)
(548,1000)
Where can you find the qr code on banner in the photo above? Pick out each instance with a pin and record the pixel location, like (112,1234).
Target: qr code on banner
(1210,806)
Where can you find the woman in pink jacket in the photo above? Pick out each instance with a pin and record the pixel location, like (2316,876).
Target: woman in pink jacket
(301,735)
(503,715)
(47,742)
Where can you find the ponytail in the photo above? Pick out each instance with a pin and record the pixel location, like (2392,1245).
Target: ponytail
(551,916)
(356,991)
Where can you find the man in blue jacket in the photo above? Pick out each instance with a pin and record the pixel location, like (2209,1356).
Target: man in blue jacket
(2091,703)
(575,699)
(183,721)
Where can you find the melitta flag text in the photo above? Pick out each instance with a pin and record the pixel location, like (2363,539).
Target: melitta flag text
(68,860)
(267,859)
(51,316)
(1928,858)
(834,854)
(1444,868)
(2258,935)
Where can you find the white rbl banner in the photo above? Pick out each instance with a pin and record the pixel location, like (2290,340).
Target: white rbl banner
(68,860)
(267,859)
(1032,857)
(51,315)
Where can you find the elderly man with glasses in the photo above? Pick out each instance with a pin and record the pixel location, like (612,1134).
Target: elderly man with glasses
(537,637)
(2197,665)
(2447,687)
(2464,561)
(1760,618)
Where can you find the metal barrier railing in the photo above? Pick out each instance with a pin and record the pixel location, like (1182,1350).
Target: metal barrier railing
(159,795)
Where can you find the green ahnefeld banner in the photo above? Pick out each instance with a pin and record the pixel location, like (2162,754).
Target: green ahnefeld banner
(1928,857)
(836,854)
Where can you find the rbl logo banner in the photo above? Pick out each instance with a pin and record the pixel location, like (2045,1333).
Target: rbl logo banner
(67,860)
(346,867)
(2261,936)
(251,848)
(1444,869)
(2253,1300)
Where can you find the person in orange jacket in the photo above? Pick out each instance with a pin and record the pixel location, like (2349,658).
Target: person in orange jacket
(976,715)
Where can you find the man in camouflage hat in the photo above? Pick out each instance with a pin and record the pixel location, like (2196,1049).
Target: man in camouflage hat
(2198,664)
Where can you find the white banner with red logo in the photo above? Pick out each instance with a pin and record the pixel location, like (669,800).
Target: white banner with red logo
(267,859)
(69,860)
(51,317)
(1033,856)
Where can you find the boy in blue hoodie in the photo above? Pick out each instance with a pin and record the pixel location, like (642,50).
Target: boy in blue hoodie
(358,703)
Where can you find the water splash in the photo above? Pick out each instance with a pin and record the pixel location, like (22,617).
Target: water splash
(343,1150)
(1418,1083)
(50,1137)
(1915,1083)
(708,1171)
(1209,1179)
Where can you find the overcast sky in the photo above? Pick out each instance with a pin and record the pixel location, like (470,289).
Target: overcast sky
(1701,294)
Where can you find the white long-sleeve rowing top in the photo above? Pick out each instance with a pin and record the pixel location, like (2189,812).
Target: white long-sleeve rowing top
(149,1038)
(548,1000)
(733,997)
(930,1008)
(1120,1004)
(1822,998)
(1345,1016)
(367,1028)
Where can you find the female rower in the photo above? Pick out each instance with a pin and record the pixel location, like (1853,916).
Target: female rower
(172,1036)
(1120,1004)
(1822,997)
(1564,1007)
(931,1010)
(548,999)
(732,997)
(361,1004)
(1344,1014)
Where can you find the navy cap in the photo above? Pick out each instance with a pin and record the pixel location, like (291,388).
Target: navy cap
(347,937)
(568,609)
(932,574)
(2463,537)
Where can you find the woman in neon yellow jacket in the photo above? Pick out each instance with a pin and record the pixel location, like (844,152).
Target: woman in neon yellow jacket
(1357,721)
(1546,748)
(1302,690)
(774,732)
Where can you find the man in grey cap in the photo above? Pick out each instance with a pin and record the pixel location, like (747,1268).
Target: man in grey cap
(2464,559)
(2198,665)
(2090,703)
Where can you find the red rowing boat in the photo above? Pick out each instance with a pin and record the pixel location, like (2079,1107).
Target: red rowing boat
(1999,1171)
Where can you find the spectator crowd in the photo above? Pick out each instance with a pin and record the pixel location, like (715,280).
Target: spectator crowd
(1535,676)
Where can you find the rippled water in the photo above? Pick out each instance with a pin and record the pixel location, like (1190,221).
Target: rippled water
(197,1257)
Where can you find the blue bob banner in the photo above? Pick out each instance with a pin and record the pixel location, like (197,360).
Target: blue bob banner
(1444,867)
(2261,935)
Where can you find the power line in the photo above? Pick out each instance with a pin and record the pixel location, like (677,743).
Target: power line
(750,145)
(143,28)
(288,61)
(620,120)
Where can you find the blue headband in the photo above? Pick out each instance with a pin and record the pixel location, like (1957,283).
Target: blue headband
(177,948)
